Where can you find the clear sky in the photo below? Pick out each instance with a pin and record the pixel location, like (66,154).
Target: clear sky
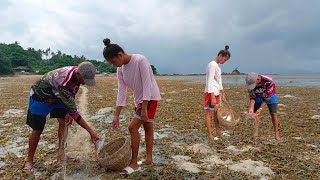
(177,36)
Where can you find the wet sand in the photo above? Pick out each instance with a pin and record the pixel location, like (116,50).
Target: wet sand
(181,149)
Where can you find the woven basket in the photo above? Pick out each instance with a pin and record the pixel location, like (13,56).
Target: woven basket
(116,155)
(226,111)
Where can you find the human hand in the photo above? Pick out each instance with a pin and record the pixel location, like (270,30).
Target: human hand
(115,123)
(215,107)
(68,119)
(94,137)
(144,115)
(258,112)
(250,111)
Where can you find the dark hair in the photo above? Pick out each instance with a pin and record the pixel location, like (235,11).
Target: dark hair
(111,50)
(225,52)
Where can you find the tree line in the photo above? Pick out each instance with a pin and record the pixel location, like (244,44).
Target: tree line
(42,61)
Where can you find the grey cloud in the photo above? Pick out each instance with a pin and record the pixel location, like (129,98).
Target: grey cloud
(177,36)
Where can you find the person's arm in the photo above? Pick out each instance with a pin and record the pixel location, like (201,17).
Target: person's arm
(263,104)
(145,75)
(122,89)
(116,119)
(67,97)
(252,97)
(84,125)
(121,99)
(146,72)
(251,106)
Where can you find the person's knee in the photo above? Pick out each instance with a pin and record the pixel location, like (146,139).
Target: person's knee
(36,133)
(148,127)
(132,128)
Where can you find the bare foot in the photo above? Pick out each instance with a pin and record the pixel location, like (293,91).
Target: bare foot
(211,137)
(278,139)
(28,167)
(218,133)
(145,163)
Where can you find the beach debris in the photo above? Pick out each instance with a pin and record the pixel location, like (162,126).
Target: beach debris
(297,138)
(311,145)
(227,118)
(281,105)
(214,160)
(315,117)
(185,90)
(13,113)
(168,100)
(99,143)
(200,148)
(182,163)
(249,115)
(105,110)
(289,96)
(254,168)
(172,92)
(235,150)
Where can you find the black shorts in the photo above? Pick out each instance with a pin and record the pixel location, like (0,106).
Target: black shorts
(272,107)
(37,122)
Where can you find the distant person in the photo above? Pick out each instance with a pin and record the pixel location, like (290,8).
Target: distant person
(54,93)
(134,72)
(262,92)
(214,90)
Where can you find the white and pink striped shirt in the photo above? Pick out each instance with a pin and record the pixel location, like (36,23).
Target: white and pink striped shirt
(213,79)
(138,76)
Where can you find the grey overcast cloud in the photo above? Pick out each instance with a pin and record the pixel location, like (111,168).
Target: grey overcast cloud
(177,36)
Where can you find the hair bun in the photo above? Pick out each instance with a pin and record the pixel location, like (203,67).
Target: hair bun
(226,47)
(106,41)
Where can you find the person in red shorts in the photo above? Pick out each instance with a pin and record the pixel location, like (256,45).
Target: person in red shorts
(213,90)
(134,72)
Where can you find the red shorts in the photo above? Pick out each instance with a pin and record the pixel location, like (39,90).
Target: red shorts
(207,101)
(152,108)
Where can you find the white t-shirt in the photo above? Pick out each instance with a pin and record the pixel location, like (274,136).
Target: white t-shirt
(213,78)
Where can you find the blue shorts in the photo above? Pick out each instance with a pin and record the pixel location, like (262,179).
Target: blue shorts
(272,104)
(38,111)
(43,109)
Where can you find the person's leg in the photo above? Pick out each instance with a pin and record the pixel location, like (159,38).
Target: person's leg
(216,123)
(135,141)
(148,128)
(275,123)
(33,143)
(208,124)
(37,123)
(62,136)
(273,112)
(60,112)
(257,105)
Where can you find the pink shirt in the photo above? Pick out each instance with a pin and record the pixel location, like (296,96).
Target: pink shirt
(213,78)
(138,76)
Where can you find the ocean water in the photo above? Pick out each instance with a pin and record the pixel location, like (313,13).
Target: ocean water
(297,80)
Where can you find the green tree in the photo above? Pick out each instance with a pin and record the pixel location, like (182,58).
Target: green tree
(5,65)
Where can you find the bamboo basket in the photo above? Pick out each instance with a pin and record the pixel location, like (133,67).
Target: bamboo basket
(226,116)
(116,154)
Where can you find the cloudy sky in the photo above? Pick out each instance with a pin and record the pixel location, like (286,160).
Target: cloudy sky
(177,36)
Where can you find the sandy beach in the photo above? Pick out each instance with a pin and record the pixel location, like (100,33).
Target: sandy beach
(181,149)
